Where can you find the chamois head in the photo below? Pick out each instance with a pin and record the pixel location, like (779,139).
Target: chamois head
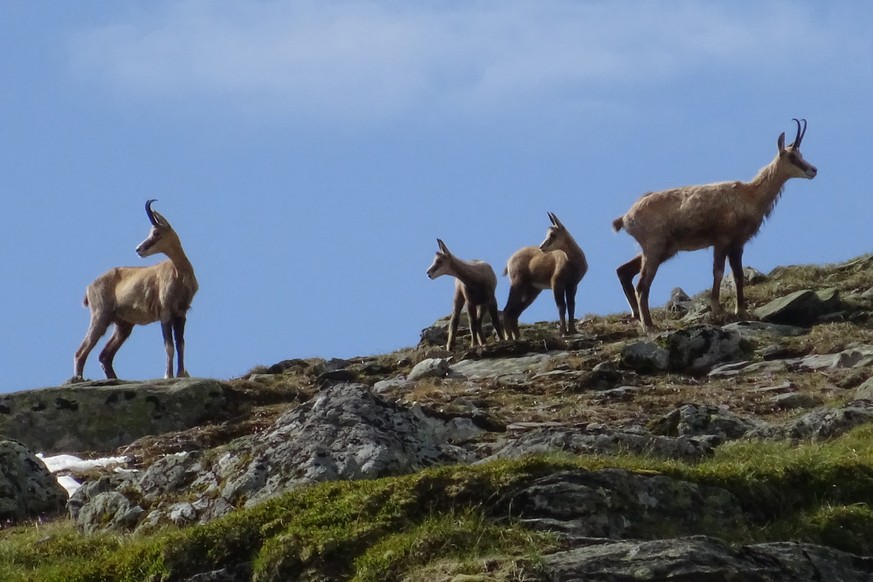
(441,261)
(790,158)
(161,237)
(554,234)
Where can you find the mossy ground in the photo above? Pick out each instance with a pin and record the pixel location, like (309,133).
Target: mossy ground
(386,529)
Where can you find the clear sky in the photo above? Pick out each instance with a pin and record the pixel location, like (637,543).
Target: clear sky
(310,153)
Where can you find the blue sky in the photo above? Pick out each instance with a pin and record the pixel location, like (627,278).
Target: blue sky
(310,153)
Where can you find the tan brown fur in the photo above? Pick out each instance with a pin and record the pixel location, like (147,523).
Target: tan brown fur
(722,215)
(558,264)
(128,296)
(475,285)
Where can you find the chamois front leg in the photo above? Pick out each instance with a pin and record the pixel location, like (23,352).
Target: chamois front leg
(475,318)
(735,256)
(457,306)
(560,301)
(571,308)
(167,330)
(179,333)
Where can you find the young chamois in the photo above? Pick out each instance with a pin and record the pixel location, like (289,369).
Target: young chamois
(475,283)
(128,296)
(723,215)
(557,264)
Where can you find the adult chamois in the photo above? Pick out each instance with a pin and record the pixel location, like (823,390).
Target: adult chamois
(475,283)
(128,296)
(723,215)
(557,264)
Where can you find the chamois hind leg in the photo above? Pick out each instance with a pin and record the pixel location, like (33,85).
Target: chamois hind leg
(718,256)
(457,306)
(647,275)
(119,335)
(475,317)
(179,333)
(735,256)
(626,274)
(511,311)
(518,301)
(559,291)
(167,330)
(96,329)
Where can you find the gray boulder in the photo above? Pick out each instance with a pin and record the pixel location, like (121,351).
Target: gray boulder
(102,416)
(599,441)
(346,432)
(801,308)
(694,420)
(694,350)
(27,489)
(109,511)
(429,368)
(645,357)
(820,424)
(508,370)
(865,390)
(615,503)
(703,558)
(698,349)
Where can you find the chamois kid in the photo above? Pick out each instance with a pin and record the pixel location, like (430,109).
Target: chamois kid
(557,264)
(475,283)
(723,215)
(128,296)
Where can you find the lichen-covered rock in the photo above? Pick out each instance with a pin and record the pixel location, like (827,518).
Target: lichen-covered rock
(698,349)
(109,511)
(101,416)
(429,368)
(599,441)
(346,432)
(693,420)
(645,357)
(615,503)
(802,308)
(517,369)
(820,424)
(27,489)
(702,558)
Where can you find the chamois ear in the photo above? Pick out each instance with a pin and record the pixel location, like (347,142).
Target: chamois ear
(443,247)
(780,143)
(554,218)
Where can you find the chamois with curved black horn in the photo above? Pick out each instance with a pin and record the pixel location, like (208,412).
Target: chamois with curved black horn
(128,296)
(723,215)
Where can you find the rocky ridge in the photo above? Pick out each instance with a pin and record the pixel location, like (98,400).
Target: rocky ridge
(198,450)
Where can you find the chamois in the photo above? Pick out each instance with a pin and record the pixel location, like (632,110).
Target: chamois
(475,283)
(558,264)
(722,215)
(128,296)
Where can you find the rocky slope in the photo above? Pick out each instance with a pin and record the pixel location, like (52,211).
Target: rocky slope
(637,471)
